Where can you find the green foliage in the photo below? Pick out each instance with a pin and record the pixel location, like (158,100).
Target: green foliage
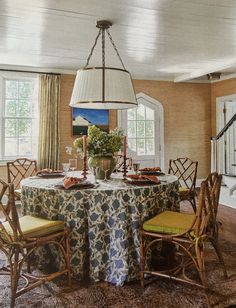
(99,142)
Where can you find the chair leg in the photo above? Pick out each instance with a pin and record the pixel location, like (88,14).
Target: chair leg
(193,203)
(142,261)
(219,255)
(15,274)
(201,263)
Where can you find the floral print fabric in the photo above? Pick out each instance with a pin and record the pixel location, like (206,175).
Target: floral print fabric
(105,222)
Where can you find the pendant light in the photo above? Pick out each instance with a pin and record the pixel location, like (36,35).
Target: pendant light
(103,87)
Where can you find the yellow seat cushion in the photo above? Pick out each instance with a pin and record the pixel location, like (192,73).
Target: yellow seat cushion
(35,226)
(183,190)
(18,191)
(169,222)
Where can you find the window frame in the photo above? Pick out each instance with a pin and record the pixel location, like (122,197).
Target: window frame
(4,76)
(158,157)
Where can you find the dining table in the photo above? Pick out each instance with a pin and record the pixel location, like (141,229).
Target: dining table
(105,221)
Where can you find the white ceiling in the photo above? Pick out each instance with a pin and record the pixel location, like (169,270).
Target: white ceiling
(157,39)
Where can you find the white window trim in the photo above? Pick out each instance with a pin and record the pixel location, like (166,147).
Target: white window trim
(16,76)
(157,106)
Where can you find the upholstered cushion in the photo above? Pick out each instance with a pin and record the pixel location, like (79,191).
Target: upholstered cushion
(183,190)
(169,222)
(35,227)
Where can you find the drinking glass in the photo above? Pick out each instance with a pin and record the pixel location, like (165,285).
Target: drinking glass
(73,164)
(106,164)
(66,167)
(136,167)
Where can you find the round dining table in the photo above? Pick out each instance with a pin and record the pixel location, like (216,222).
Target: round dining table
(105,221)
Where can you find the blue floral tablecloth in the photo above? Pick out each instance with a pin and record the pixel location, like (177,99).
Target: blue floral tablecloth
(105,221)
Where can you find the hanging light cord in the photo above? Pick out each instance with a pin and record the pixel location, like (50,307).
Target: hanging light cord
(102,31)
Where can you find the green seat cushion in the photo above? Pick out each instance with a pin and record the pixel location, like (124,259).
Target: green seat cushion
(183,190)
(35,226)
(169,222)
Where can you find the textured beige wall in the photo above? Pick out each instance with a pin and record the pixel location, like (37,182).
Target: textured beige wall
(218,89)
(187,119)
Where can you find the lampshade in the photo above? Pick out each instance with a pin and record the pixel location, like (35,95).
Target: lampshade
(103,87)
(88,89)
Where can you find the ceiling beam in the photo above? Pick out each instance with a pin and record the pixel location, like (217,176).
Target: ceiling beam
(199,73)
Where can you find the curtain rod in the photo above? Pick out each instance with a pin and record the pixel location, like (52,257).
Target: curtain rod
(22,71)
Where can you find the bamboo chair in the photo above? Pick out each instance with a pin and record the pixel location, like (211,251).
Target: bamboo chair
(189,233)
(120,163)
(18,170)
(186,171)
(20,237)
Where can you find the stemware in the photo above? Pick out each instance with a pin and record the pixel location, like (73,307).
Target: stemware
(66,168)
(136,167)
(106,164)
(73,164)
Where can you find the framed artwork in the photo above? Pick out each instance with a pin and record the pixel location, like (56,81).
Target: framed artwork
(83,118)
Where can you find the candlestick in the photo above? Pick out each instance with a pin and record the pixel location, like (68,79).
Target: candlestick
(124,154)
(125,145)
(84,173)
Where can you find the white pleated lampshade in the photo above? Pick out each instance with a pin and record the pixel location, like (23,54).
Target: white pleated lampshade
(88,89)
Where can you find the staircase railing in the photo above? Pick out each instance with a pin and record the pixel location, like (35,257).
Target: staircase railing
(223,148)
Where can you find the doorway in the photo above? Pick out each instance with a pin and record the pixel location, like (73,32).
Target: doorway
(144,127)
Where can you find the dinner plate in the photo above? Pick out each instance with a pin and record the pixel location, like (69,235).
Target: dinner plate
(139,181)
(81,185)
(51,175)
(151,172)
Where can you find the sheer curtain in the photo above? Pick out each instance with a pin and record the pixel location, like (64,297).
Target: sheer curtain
(49,138)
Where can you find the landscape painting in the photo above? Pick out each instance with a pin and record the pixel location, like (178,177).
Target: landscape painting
(83,118)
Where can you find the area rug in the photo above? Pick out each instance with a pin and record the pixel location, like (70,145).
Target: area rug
(161,293)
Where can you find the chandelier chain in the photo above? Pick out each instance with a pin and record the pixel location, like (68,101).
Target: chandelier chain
(103,47)
(94,45)
(114,46)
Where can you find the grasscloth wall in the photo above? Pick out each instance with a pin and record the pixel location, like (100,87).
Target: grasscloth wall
(189,117)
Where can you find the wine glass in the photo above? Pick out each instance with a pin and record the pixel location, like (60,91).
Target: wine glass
(106,164)
(73,164)
(66,168)
(136,167)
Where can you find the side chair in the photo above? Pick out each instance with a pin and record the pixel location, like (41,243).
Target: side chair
(189,234)
(20,237)
(18,170)
(120,163)
(186,171)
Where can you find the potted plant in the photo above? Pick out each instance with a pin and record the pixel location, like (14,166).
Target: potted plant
(101,147)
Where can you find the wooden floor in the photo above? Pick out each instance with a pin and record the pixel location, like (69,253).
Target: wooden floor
(227,216)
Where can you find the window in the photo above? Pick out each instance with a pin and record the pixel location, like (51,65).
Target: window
(19,117)
(140,129)
(144,127)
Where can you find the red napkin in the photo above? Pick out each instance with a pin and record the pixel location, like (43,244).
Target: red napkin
(70,181)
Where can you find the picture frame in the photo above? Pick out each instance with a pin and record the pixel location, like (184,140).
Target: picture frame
(83,118)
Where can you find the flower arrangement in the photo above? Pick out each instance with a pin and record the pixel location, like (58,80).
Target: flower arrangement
(100,142)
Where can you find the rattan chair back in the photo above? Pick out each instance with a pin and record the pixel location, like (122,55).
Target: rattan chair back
(186,171)
(120,163)
(19,169)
